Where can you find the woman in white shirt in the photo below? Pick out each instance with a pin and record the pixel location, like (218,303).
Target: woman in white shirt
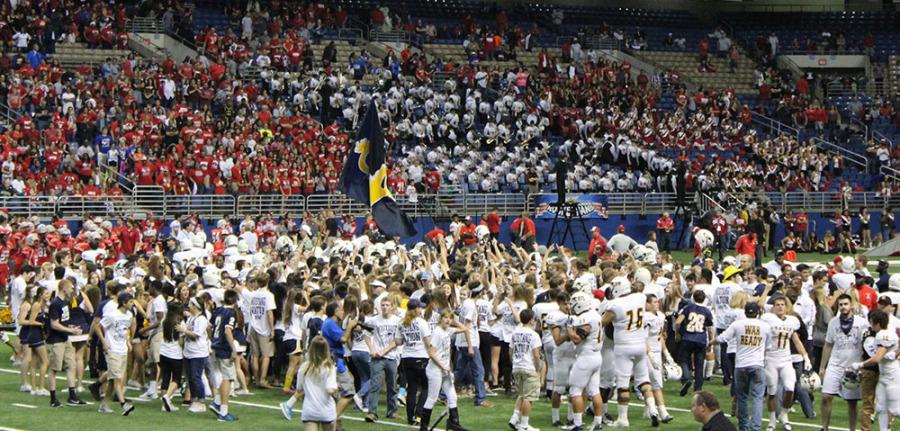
(294,308)
(415,336)
(440,377)
(171,356)
(196,352)
(317,381)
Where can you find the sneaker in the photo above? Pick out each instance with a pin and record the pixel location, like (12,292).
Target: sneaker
(127,408)
(95,391)
(197,408)
(167,404)
(371,418)
(133,383)
(608,420)
(527,428)
(666,419)
(685,387)
(35,393)
(401,398)
(489,393)
(55,403)
(358,402)
(25,387)
(485,403)
(286,411)
(75,401)
(43,392)
(104,409)
(149,395)
(771,426)
(621,423)
(654,421)
(242,391)
(215,408)
(512,424)
(785,422)
(227,418)
(575,428)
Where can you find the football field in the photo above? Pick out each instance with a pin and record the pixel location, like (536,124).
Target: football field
(260,411)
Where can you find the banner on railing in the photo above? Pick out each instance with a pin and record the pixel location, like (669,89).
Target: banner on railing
(586,206)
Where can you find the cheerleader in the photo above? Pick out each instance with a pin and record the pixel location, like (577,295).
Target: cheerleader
(440,376)
(32,318)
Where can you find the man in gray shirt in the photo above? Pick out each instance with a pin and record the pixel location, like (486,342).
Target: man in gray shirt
(621,243)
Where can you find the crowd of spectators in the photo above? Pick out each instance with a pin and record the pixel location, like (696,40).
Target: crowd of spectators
(206,126)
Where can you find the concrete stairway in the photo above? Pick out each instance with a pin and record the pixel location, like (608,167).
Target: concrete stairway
(78,54)
(686,65)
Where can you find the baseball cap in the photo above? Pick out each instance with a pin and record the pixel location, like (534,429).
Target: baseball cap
(751,309)
(595,229)
(124,297)
(621,228)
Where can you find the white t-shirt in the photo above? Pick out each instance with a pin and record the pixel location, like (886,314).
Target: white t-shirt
(524,341)
(468,315)
(171,349)
(507,320)
(318,404)
(629,321)
(198,348)
(485,314)
(294,330)
(845,348)
(750,337)
(261,301)
(386,331)
(413,338)
(722,302)
(779,348)
(115,327)
(157,306)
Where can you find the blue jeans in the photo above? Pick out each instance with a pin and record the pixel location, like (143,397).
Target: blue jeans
(383,371)
(692,354)
(750,386)
(196,366)
(470,369)
(364,369)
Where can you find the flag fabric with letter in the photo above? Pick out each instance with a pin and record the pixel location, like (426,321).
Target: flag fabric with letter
(364,178)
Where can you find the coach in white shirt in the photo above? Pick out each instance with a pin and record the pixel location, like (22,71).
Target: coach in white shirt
(750,336)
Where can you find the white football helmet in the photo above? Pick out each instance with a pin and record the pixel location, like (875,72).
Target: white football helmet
(894,283)
(620,286)
(231,241)
(482,232)
(850,381)
(644,254)
(811,382)
(643,275)
(582,284)
(580,302)
(284,244)
(705,238)
(672,371)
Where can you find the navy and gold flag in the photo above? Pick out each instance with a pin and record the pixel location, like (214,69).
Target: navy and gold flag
(364,178)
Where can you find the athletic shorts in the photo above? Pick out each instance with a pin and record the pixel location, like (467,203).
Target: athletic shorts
(225,368)
(631,360)
(345,385)
(779,372)
(831,384)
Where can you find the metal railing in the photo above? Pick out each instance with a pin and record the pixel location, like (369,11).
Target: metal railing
(392,36)
(432,205)
(889,172)
(877,135)
(847,154)
(8,115)
(870,88)
(775,125)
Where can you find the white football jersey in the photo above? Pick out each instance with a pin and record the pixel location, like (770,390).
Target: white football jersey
(654,324)
(629,321)
(591,342)
(779,348)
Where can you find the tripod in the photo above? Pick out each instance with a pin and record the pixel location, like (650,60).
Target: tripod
(567,213)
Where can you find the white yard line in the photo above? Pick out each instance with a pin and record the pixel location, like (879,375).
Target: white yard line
(24,406)
(400,425)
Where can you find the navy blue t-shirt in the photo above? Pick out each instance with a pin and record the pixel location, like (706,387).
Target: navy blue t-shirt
(697,320)
(223,317)
(59,311)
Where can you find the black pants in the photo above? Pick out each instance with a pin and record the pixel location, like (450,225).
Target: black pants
(416,384)
(727,364)
(280,361)
(169,370)
(485,342)
(666,241)
(692,354)
(506,367)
